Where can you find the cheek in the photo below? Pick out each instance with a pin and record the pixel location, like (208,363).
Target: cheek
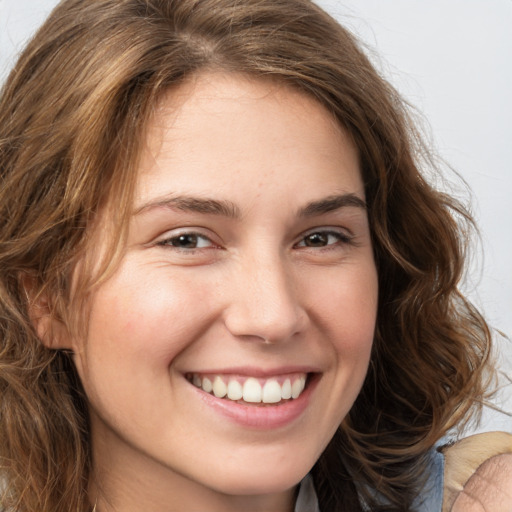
(348,310)
(141,324)
(347,315)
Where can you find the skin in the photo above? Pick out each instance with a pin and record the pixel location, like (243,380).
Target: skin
(489,489)
(254,293)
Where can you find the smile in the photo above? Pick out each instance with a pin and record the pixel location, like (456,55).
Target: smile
(252,390)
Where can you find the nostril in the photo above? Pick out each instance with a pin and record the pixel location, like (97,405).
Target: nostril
(264,304)
(265,327)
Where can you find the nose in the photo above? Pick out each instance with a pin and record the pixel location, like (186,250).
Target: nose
(265,301)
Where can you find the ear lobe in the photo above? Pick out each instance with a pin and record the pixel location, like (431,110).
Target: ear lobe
(41,310)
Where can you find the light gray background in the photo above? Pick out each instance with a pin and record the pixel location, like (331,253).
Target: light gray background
(452,59)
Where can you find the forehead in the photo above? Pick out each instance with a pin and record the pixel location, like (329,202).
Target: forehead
(217,130)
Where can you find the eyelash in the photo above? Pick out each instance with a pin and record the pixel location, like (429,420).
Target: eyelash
(341,239)
(168,242)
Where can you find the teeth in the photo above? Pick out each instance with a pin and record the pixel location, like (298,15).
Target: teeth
(220,389)
(287,389)
(298,387)
(207,385)
(253,390)
(235,390)
(271,392)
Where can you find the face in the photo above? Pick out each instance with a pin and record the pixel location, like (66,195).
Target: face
(235,334)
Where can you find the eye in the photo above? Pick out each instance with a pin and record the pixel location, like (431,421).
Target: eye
(187,241)
(323,239)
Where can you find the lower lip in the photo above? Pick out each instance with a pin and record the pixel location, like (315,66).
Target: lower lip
(264,417)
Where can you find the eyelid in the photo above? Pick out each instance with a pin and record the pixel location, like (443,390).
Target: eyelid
(343,235)
(164,240)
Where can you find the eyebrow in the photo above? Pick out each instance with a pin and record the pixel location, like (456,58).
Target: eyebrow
(194,204)
(229,209)
(330,204)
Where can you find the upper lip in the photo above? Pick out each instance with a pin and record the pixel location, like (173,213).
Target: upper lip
(258,372)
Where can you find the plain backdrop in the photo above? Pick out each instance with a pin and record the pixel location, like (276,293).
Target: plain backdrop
(452,60)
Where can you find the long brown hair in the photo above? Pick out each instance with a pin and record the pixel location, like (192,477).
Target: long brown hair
(73,114)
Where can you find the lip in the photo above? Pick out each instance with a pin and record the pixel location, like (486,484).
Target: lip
(260,417)
(251,371)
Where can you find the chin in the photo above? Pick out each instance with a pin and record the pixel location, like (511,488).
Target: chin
(270,479)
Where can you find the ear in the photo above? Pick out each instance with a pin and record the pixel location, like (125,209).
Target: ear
(42,311)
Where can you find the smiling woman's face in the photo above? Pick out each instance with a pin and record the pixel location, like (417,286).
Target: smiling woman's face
(249,268)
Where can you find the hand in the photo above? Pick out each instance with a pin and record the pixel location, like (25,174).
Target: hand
(489,489)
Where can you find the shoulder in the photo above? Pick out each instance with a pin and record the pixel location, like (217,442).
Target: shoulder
(478,474)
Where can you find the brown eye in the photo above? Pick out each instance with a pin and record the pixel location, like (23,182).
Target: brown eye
(184,241)
(187,241)
(320,239)
(316,240)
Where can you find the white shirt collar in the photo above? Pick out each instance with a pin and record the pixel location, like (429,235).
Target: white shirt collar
(307,500)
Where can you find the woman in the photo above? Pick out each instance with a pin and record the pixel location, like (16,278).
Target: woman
(222,270)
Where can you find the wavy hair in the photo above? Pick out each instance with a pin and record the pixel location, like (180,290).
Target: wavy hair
(73,116)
